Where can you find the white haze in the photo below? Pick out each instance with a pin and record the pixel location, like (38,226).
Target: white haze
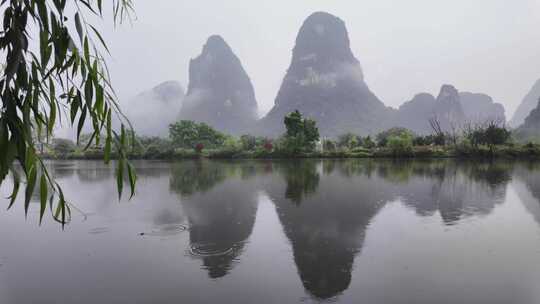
(405,47)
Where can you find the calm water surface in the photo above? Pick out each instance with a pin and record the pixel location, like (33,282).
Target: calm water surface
(356,231)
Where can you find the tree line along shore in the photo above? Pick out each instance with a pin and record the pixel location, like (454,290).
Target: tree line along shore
(192,140)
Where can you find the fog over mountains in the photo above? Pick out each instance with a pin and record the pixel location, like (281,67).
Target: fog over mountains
(324,81)
(152,111)
(451,108)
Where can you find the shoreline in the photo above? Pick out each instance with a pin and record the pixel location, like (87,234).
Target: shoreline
(510,153)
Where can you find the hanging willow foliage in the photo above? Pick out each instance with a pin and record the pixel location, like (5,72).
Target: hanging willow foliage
(64,77)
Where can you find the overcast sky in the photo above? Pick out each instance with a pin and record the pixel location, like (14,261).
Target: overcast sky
(405,47)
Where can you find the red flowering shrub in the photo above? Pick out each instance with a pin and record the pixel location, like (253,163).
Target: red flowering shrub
(268,146)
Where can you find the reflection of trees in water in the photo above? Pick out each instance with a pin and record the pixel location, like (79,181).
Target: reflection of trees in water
(301,176)
(94,171)
(220,203)
(455,189)
(328,229)
(190,177)
(62,169)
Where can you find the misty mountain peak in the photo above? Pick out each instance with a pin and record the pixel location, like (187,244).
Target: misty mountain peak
(448,93)
(448,108)
(325,82)
(220,92)
(216,44)
(325,35)
(169,91)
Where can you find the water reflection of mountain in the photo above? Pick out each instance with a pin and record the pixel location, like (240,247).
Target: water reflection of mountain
(528,187)
(220,201)
(328,228)
(325,208)
(454,189)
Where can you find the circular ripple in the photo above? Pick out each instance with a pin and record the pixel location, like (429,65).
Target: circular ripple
(208,250)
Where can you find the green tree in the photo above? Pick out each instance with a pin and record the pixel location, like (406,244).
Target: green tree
(401,145)
(491,134)
(184,134)
(349,141)
(63,146)
(382,138)
(59,69)
(188,134)
(368,143)
(301,133)
(249,142)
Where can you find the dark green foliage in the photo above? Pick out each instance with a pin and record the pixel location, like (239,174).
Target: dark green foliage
(302,179)
(63,77)
(249,142)
(301,134)
(428,140)
(252,143)
(368,143)
(383,137)
(400,145)
(155,147)
(491,134)
(329,145)
(188,134)
(349,141)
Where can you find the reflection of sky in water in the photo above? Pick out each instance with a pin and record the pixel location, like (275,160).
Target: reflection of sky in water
(283,232)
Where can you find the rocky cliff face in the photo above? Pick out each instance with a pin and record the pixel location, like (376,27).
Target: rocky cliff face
(452,108)
(152,111)
(530,129)
(446,108)
(325,82)
(527,105)
(480,108)
(220,92)
(415,114)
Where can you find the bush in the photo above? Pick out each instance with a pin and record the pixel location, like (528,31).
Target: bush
(329,145)
(368,143)
(400,145)
(63,146)
(491,134)
(383,137)
(349,141)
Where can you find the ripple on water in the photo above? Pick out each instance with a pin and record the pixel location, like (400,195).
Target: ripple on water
(99,230)
(209,250)
(167,230)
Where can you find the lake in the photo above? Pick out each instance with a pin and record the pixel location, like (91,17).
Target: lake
(300,231)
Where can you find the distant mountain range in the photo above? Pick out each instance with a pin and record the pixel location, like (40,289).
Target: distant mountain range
(325,82)
(451,108)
